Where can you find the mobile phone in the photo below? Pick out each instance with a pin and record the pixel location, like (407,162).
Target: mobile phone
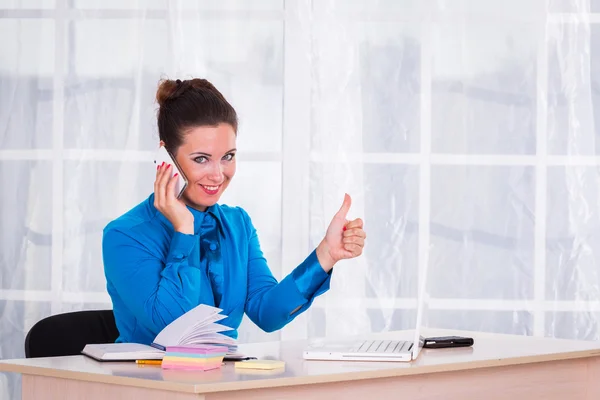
(162,155)
(441,342)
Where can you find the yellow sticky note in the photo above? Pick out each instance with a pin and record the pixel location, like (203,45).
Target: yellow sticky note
(260,364)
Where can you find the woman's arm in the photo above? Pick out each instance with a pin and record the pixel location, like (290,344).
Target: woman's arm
(155,295)
(272,305)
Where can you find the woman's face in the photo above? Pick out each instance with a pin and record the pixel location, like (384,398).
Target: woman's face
(207,159)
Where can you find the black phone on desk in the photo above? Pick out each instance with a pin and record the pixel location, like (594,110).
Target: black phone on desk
(442,342)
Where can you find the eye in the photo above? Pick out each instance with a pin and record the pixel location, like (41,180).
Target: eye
(228,157)
(201,159)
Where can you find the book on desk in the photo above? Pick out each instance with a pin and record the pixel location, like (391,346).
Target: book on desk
(196,327)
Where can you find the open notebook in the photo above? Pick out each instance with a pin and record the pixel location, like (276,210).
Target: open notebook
(197,326)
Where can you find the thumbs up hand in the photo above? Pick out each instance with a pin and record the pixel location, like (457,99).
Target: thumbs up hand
(344,239)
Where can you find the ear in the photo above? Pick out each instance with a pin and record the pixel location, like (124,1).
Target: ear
(161,144)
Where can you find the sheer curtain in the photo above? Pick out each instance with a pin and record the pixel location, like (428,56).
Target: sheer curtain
(463,130)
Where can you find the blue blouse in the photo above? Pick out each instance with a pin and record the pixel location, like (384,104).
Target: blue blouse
(154,274)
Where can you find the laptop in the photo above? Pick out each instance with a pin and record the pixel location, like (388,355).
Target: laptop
(373,350)
(367,350)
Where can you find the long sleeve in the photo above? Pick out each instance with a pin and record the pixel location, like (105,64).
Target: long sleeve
(272,305)
(156,292)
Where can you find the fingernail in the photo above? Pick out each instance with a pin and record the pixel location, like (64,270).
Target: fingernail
(157,167)
(168,165)
(176,174)
(344,228)
(162,164)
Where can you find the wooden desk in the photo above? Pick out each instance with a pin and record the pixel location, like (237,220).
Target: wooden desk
(497,367)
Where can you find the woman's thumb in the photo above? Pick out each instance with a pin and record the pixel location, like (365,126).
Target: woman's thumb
(343,212)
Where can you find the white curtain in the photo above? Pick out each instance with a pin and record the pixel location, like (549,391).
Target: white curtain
(464,131)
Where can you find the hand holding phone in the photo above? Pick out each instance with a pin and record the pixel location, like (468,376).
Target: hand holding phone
(161,157)
(441,342)
(166,191)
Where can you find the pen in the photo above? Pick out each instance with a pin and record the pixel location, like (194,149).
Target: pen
(151,362)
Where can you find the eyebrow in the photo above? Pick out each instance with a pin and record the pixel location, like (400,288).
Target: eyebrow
(199,153)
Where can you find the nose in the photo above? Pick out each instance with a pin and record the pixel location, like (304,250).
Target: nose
(216,173)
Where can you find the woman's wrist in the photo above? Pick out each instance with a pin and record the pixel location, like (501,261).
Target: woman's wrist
(186,228)
(323,256)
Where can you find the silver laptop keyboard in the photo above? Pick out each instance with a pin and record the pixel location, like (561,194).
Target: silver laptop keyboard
(383,346)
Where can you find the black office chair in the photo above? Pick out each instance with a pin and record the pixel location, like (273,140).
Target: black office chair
(67,334)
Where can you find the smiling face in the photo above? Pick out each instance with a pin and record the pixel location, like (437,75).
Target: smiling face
(207,159)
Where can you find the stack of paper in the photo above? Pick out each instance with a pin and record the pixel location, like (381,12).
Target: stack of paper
(196,357)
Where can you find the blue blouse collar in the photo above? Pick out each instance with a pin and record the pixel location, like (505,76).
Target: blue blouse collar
(214,210)
(199,216)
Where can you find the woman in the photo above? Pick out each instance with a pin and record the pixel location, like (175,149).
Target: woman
(168,255)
